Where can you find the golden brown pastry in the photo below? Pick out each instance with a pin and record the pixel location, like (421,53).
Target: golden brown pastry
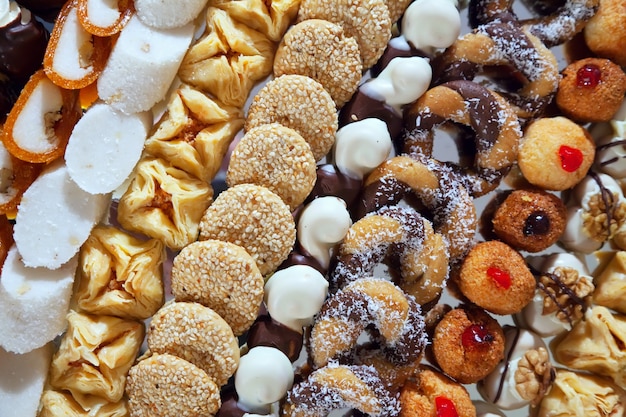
(610,284)
(63,404)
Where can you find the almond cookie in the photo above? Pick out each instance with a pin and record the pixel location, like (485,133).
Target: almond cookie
(301,103)
(254,218)
(276,157)
(221,276)
(323,51)
(365,20)
(198,334)
(169,386)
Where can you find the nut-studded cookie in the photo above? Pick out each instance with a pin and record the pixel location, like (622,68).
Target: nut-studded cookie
(254,218)
(221,276)
(365,20)
(301,103)
(276,157)
(323,51)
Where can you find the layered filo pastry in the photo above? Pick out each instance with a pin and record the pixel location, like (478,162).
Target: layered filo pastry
(195,132)
(596,344)
(577,394)
(120,275)
(95,355)
(63,404)
(164,202)
(611,284)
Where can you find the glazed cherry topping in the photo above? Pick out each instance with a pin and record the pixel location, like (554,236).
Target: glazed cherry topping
(538,223)
(445,407)
(500,277)
(588,76)
(476,335)
(571,158)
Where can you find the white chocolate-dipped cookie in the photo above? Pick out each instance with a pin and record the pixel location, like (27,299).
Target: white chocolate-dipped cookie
(431,24)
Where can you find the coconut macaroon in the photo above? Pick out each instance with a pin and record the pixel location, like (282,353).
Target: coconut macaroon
(169,386)
(221,276)
(198,334)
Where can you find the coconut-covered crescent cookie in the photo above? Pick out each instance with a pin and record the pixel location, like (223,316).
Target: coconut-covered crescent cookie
(254,218)
(164,202)
(197,334)
(269,18)
(171,387)
(221,276)
(120,275)
(276,157)
(228,59)
(365,20)
(301,103)
(323,51)
(195,132)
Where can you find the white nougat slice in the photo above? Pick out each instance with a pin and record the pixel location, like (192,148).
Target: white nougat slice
(55,218)
(142,65)
(165,14)
(22,378)
(104,147)
(33,303)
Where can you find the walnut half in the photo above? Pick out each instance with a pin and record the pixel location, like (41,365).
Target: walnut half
(534,375)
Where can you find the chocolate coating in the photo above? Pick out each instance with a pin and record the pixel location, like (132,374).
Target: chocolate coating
(362,106)
(22,47)
(267,332)
(8,95)
(46,9)
(230,406)
(331,182)
(299,256)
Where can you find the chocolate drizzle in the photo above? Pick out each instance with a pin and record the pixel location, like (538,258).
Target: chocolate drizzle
(507,364)
(607,200)
(608,146)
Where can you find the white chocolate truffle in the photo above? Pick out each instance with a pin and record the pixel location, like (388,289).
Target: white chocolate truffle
(263,377)
(295,295)
(323,223)
(362,146)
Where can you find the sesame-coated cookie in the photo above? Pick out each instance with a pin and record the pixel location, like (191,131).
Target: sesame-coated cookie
(323,51)
(221,276)
(301,103)
(197,334)
(254,218)
(168,386)
(365,20)
(276,157)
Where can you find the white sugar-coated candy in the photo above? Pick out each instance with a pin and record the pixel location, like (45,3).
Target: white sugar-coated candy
(165,14)
(33,303)
(104,147)
(22,378)
(55,218)
(263,377)
(142,65)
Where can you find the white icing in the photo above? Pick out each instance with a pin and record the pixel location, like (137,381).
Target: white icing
(611,159)
(323,223)
(588,187)
(362,146)
(9,11)
(429,24)
(510,398)
(403,81)
(294,295)
(263,377)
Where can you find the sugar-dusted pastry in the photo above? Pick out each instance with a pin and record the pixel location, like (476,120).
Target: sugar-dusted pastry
(120,275)
(221,276)
(95,354)
(596,344)
(564,290)
(577,394)
(525,374)
(430,393)
(164,202)
(62,403)
(227,59)
(610,284)
(495,277)
(596,212)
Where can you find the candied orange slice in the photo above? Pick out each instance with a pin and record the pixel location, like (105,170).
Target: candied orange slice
(104,18)
(74,57)
(39,125)
(15,177)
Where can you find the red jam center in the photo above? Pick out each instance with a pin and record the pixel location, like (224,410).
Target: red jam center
(571,158)
(500,277)
(475,335)
(588,76)
(445,407)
